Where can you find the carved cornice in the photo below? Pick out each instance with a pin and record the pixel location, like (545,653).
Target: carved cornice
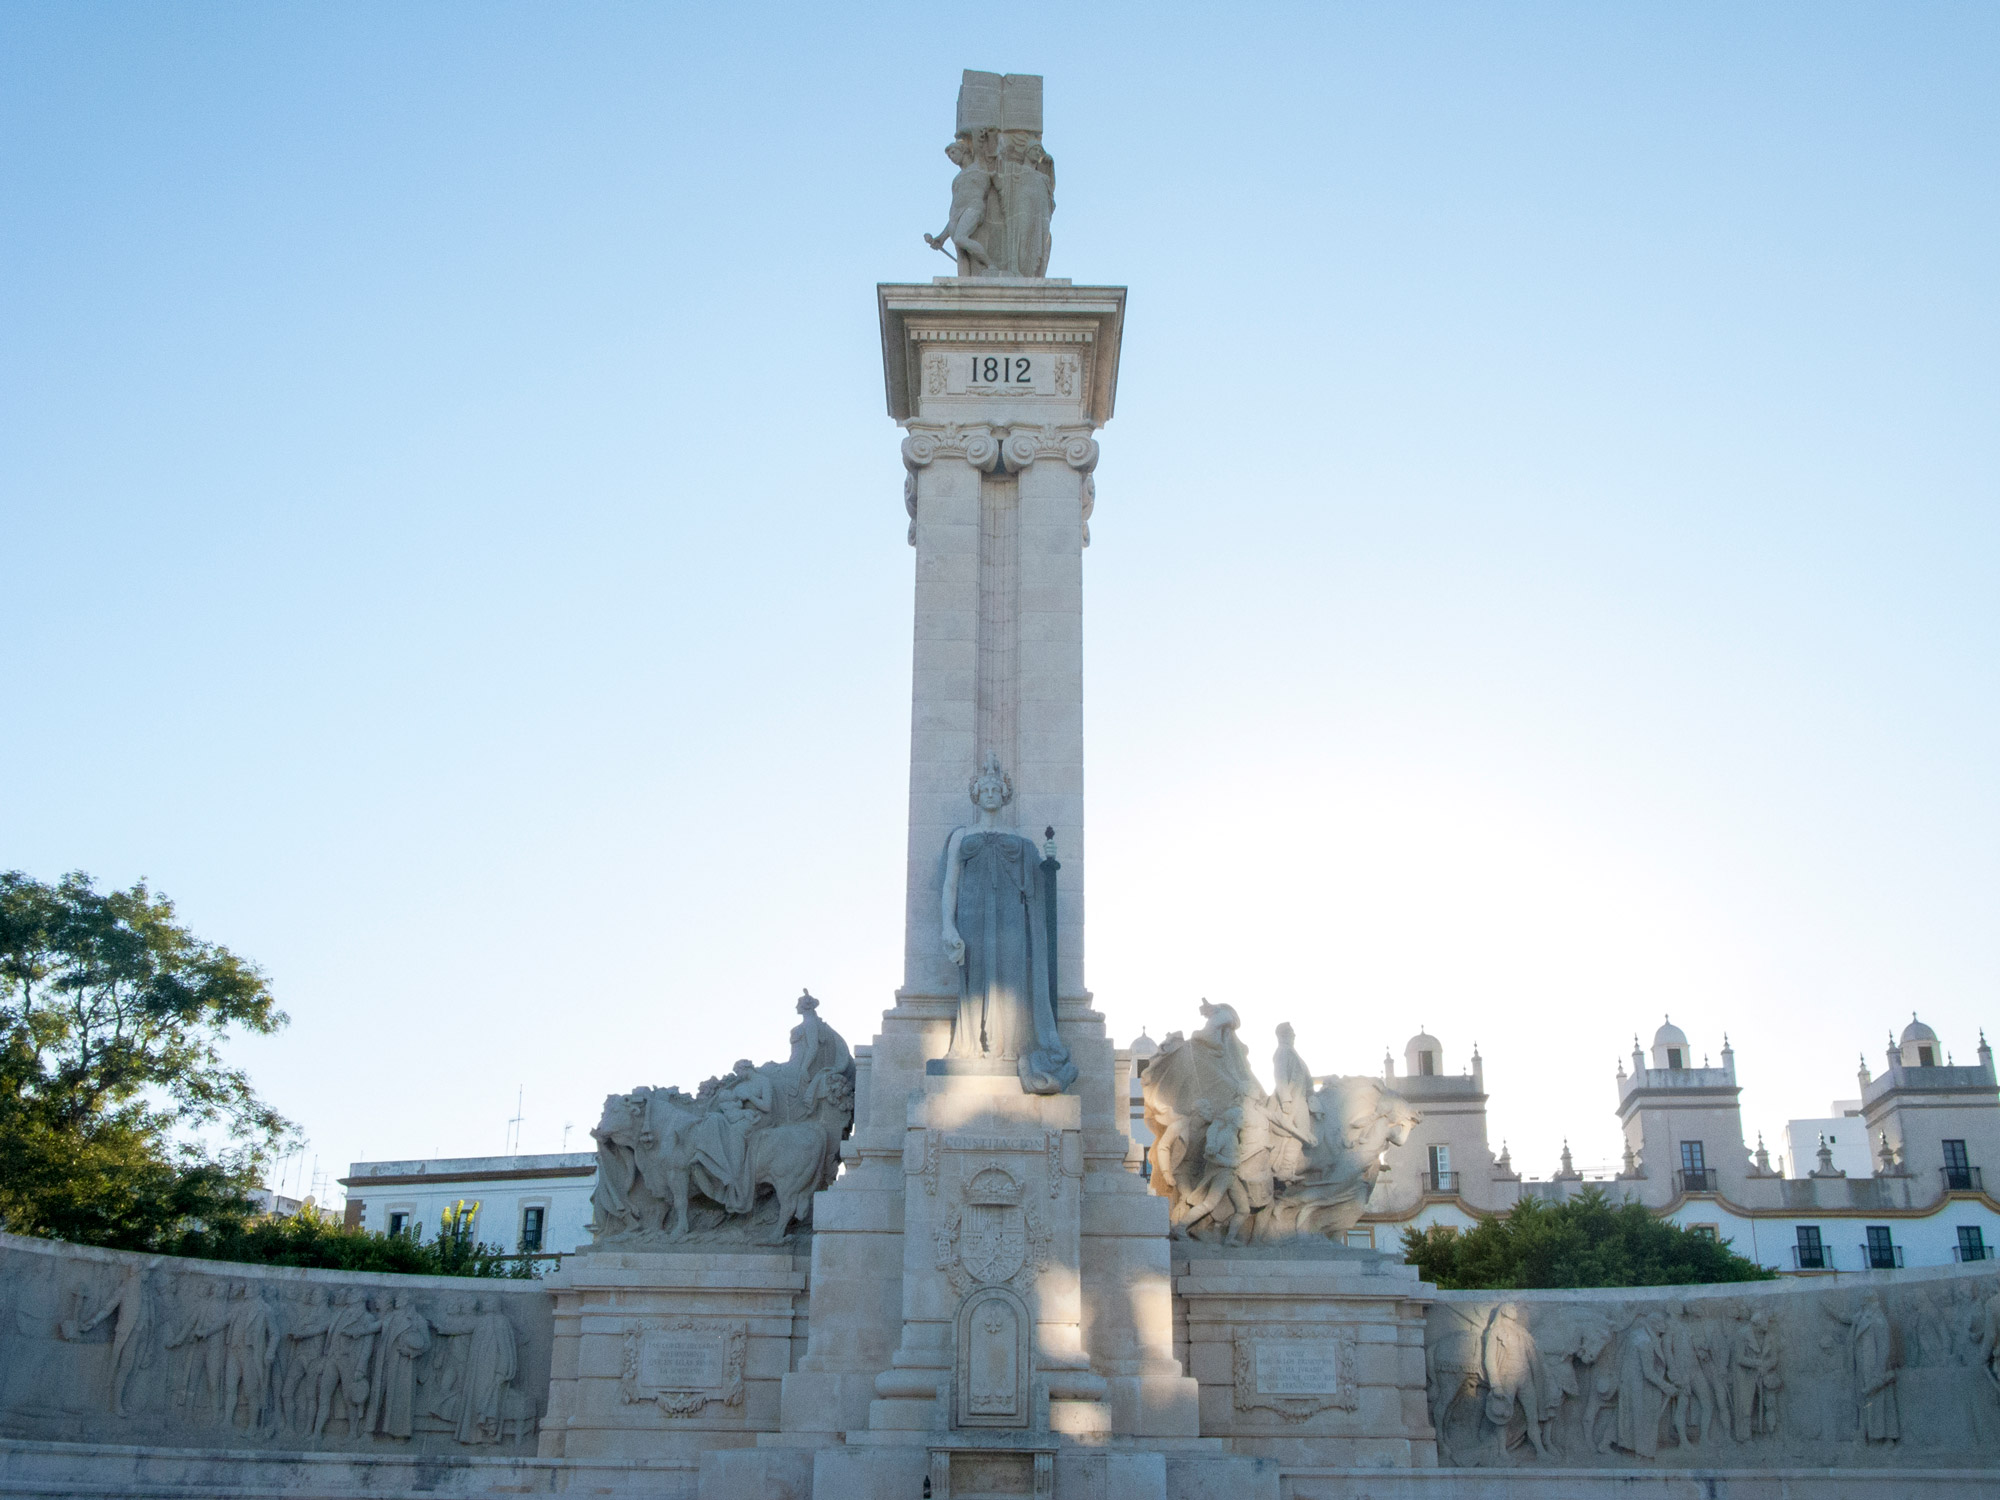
(1002,335)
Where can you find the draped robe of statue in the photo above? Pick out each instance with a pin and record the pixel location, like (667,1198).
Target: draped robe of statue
(1005,1010)
(1027,200)
(488,1366)
(1291,1101)
(1642,1392)
(392,1403)
(1874,1355)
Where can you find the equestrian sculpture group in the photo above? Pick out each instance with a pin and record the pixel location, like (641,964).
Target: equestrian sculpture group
(670,1164)
(1243,1164)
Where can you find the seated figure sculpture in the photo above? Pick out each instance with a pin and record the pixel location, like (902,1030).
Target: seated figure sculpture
(753,1145)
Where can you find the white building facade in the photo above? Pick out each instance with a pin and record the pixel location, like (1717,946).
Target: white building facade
(1900,1181)
(534,1205)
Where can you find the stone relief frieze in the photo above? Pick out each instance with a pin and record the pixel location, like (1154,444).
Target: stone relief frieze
(738,1160)
(1239,1163)
(684,1364)
(1743,1379)
(153,1349)
(1295,1369)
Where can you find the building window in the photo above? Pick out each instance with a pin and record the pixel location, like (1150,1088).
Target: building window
(1883,1253)
(1427,1063)
(1971,1242)
(1673,1057)
(1439,1179)
(399,1223)
(1926,1058)
(1705,1231)
(1695,1176)
(531,1229)
(1957,1168)
(1809,1254)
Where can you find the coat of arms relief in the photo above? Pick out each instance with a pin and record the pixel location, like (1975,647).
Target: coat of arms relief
(993,1236)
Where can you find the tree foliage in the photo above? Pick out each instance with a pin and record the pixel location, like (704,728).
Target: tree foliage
(1585,1241)
(310,1238)
(112,1019)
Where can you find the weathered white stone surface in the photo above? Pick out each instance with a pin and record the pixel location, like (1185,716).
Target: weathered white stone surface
(1882,1368)
(670,1355)
(103,1346)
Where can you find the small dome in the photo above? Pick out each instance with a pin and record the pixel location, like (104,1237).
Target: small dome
(1670,1047)
(1423,1055)
(1144,1046)
(1917,1031)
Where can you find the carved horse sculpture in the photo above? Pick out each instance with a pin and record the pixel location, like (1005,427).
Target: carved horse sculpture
(1355,1120)
(1490,1354)
(648,1176)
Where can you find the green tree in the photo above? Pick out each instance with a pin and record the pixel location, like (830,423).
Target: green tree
(112,1019)
(1585,1241)
(310,1238)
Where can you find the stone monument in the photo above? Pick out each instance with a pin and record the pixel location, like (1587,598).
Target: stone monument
(936,1265)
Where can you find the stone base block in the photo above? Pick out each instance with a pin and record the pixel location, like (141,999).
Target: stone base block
(865,1472)
(1081,1421)
(767,1473)
(816,1401)
(1228,1478)
(1144,1406)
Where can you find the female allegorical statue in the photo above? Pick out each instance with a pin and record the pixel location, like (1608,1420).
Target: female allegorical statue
(996,932)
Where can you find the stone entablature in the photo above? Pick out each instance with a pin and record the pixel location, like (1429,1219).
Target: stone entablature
(1665,1084)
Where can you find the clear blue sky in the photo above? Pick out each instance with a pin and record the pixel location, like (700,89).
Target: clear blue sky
(1544,567)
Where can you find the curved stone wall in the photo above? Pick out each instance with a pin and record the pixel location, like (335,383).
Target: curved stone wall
(1880,1370)
(102,1346)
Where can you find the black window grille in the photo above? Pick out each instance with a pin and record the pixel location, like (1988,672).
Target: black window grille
(1957,1168)
(1883,1253)
(1809,1254)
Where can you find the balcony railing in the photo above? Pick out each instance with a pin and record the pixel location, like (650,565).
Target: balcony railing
(1961,1179)
(1972,1252)
(1700,1180)
(1882,1257)
(1812,1258)
(1440,1182)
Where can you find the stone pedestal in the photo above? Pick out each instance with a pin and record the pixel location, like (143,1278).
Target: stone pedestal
(659,1355)
(992,1325)
(1310,1360)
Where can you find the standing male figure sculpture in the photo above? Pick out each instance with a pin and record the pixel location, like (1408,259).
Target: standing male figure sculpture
(1004,193)
(996,933)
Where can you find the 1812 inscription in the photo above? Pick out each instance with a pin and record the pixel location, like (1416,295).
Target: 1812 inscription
(1002,369)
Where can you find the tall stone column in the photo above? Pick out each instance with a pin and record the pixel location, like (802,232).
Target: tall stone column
(999,385)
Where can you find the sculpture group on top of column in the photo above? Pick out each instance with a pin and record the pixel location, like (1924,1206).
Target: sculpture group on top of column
(740,1158)
(1004,193)
(1242,1164)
